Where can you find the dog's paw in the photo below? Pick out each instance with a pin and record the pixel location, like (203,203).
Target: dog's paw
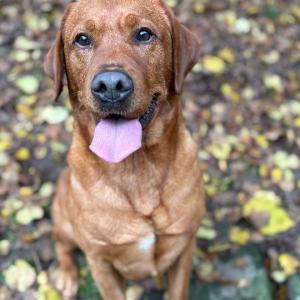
(67,283)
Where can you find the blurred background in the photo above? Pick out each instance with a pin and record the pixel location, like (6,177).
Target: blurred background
(241,103)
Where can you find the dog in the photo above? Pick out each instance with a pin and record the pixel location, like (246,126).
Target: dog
(132,197)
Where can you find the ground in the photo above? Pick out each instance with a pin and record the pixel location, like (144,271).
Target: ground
(241,103)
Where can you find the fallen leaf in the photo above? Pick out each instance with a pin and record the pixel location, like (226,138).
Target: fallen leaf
(24,43)
(279,276)
(47,292)
(134,292)
(54,114)
(22,154)
(4,159)
(239,236)
(20,276)
(266,203)
(26,191)
(272,57)
(242,26)
(213,64)
(28,84)
(46,190)
(4,247)
(227,54)
(28,214)
(5,141)
(286,161)
(220,149)
(206,233)
(290,264)
(273,82)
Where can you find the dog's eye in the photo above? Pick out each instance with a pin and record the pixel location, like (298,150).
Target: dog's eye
(144,36)
(83,41)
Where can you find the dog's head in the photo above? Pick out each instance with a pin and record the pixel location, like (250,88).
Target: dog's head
(121,58)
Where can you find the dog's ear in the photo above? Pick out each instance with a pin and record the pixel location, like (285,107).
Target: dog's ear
(54,63)
(186,50)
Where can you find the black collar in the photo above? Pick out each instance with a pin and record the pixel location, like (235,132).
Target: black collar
(149,114)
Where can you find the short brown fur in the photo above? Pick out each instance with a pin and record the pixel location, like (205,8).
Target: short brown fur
(138,218)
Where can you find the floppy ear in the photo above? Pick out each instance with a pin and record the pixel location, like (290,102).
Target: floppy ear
(186,50)
(54,64)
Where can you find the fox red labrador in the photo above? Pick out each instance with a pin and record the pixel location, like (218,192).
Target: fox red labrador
(132,197)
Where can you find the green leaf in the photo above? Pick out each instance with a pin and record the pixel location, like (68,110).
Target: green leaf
(28,214)
(20,276)
(28,84)
(55,114)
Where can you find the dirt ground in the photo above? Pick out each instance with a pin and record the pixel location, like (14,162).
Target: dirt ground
(241,104)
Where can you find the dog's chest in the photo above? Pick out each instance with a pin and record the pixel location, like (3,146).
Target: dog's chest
(134,245)
(137,260)
(148,256)
(142,234)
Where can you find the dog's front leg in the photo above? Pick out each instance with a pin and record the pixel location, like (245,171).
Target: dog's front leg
(179,274)
(109,281)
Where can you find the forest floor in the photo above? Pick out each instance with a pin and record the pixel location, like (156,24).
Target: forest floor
(242,105)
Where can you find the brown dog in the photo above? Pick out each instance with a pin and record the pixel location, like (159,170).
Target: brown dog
(132,197)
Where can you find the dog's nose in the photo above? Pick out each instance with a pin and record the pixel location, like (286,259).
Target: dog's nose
(112,86)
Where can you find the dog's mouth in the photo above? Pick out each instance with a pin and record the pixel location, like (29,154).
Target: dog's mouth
(117,137)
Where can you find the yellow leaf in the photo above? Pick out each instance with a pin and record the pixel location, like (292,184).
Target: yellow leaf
(263,171)
(273,82)
(228,17)
(265,202)
(211,190)
(227,54)
(297,122)
(42,278)
(229,92)
(24,110)
(21,133)
(5,141)
(262,141)
(289,263)
(220,150)
(213,64)
(239,235)
(20,276)
(46,292)
(29,100)
(22,154)
(28,214)
(26,191)
(4,247)
(276,175)
(172,3)
(279,222)
(41,138)
(199,8)
(11,205)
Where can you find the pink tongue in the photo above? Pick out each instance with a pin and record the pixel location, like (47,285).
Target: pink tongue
(116,139)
